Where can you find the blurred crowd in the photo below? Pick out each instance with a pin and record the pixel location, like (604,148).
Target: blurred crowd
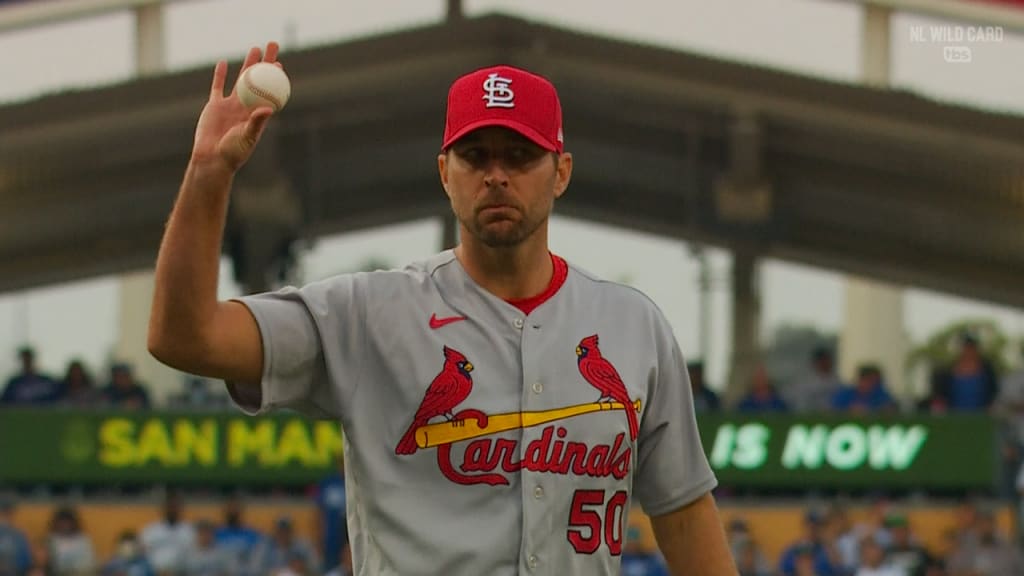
(175,546)
(78,389)
(883,544)
(969,384)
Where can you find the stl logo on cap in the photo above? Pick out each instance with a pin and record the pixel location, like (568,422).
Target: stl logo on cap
(498,93)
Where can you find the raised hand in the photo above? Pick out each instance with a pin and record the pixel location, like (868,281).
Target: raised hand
(227,131)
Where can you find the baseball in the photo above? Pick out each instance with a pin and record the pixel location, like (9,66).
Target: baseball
(264,84)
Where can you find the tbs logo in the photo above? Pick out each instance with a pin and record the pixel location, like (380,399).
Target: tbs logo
(956,54)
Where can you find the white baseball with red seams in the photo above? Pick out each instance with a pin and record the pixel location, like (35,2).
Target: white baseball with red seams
(264,84)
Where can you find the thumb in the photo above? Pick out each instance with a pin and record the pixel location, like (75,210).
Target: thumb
(256,124)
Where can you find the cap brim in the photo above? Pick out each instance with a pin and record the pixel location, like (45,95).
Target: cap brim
(519,127)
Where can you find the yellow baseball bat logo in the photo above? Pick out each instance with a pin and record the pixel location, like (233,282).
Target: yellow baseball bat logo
(466,429)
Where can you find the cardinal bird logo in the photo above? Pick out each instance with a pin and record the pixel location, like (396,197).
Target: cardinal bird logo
(447,391)
(600,374)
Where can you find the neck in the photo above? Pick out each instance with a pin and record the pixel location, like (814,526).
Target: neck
(509,273)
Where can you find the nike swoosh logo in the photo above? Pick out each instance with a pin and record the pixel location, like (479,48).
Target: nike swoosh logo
(436,322)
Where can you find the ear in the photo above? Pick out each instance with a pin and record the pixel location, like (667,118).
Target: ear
(563,173)
(442,169)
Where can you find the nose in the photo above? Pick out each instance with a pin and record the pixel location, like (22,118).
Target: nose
(495,174)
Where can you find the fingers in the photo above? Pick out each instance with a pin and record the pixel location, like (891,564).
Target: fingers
(270,54)
(251,58)
(220,72)
(255,55)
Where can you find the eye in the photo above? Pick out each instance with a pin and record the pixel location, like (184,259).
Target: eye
(472,154)
(520,154)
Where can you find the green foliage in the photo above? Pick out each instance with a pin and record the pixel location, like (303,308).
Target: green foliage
(941,348)
(374,263)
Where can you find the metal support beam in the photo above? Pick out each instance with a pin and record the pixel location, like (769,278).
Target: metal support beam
(454,11)
(265,220)
(704,286)
(744,195)
(449,231)
(264,226)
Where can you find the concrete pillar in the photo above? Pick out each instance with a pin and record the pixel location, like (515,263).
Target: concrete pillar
(149,40)
(873,329)
(136,289)
(746,322)
(133,323)
(873,332)
(875,46)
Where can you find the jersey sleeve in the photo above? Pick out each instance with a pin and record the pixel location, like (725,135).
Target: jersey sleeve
(672,470)
(296,327)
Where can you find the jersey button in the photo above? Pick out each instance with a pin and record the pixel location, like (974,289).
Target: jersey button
(538,492)
(532,561)
(537,387)
(518,323)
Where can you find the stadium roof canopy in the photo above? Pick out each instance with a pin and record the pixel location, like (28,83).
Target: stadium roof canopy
(876,182)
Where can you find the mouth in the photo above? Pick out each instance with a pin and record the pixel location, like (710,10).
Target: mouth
(496,209)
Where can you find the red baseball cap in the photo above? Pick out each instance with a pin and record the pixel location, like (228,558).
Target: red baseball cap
(505,96)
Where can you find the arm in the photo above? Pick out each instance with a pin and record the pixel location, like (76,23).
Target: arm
(693,541)
(189,329)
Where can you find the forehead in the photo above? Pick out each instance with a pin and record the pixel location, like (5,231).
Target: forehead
(492,135)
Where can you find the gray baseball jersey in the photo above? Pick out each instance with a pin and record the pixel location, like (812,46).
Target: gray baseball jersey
(479,439)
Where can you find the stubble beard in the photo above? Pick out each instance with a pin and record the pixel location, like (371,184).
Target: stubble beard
(503,234)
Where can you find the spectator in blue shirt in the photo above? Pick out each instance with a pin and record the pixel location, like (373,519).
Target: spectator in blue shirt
(811,548)
(129,559)
(15,552)
(29,387)
(970,384)
(704,398)
(763,397)
(867,395)
(639,561)
(332,529)
(123,391)
(283,548)
(234,535)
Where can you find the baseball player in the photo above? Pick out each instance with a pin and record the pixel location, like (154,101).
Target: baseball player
(501,407)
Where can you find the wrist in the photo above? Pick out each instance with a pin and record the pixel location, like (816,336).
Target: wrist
(209,171)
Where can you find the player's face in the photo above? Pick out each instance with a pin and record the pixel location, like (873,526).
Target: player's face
(502,186)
